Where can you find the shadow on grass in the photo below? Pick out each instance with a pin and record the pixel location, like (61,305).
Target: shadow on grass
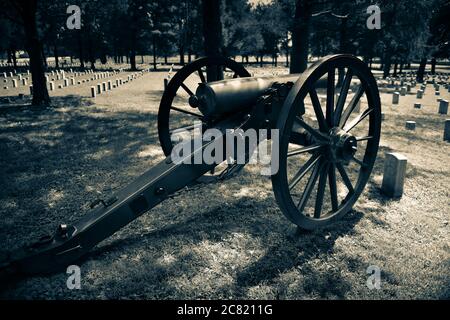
(50,155)
(293,249)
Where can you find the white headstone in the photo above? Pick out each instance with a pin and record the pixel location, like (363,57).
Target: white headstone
(410,125)
(447,130)
(394,174)
(419,94)
(395,98)
(443,107)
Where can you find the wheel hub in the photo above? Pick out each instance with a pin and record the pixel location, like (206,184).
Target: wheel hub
(343,145)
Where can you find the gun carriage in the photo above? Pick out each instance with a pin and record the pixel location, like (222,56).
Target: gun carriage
(320,141)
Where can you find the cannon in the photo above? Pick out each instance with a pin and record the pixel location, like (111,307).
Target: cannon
(327,147)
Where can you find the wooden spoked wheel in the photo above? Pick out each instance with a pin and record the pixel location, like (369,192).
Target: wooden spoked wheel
(329,141)
(175,114)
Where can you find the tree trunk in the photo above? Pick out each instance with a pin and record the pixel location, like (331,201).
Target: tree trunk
(40,93)
(300,36)
(165,59)
(387,64)
(80,49)
(343,46)
(433,66)
(55,53)
(287,58)
(212,33)
(91,53)
(395,69)
(133,59)
(44,58)
(421,70)
(9,54)
(181,53)
(154,53)
(14,58)
(401,67)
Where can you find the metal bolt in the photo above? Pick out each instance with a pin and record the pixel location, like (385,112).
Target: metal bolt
(160,191)
(62,230)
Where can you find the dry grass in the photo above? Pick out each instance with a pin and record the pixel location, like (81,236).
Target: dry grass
(226,240)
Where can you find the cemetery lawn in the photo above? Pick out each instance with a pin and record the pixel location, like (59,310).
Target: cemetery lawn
(221,241)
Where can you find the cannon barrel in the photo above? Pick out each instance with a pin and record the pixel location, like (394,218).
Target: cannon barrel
(224,97)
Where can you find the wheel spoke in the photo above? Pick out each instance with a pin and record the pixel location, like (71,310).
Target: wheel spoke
(187,112)
(357,120)
(364,138)
(352,105)
(318,135)
(298,138)
(305,149)
(309,187)
(320,191)
(318,110)
(345,177)
(330,97)
(189,92)
(362,164)
(333,187)
(201,75)
(303,170)
(342,96)
(181,129)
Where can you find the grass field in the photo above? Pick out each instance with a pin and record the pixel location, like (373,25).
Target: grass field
(222,241)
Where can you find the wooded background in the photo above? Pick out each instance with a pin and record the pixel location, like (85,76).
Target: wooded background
(123,30)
